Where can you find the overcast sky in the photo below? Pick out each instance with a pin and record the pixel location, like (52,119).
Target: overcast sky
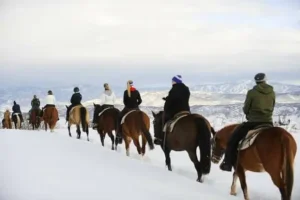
(117,40)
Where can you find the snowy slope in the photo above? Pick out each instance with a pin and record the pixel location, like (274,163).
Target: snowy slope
(39,165)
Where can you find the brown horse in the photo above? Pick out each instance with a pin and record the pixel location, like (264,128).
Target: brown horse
(136,123)
(35,118)
(269,149)
(185,133)
(17,120)
(50,117)
(7,120)
(107,121)
(79,115)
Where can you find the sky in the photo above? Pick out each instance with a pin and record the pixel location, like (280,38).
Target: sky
(47,42)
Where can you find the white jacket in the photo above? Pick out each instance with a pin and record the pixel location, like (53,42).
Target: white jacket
(108,97)
(50,100)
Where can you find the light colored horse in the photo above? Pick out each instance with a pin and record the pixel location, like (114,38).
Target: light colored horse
(7,120)
(79,115)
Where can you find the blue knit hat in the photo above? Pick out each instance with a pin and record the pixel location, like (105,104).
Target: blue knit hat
(177,79)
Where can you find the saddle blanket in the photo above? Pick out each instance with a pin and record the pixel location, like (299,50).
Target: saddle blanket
(124,117)
(251,136)
(171,124)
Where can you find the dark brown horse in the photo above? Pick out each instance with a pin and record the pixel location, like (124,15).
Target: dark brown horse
(188,133)
(134,124)
(107,120)
(271,150)
(50,117)
(35,118)
(79,115)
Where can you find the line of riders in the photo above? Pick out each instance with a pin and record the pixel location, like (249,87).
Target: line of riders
(258,108)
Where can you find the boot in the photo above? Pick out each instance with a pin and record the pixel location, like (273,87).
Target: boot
(226,165)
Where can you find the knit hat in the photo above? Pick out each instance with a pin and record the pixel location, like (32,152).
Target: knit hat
(177,79)
(260,77)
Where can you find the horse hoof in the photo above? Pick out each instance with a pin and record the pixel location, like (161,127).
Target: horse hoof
(233,193)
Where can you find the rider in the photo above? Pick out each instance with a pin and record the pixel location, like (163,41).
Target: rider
(177,99)
(75,101)
(108,99)
(131,99)
(50,101)
(16,109)
(35,105)
(258,108)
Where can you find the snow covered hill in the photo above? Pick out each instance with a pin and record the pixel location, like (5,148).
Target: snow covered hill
(36,165)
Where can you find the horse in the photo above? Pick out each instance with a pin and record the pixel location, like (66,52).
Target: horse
(79,114)
(50,117)
(264,149)
(35,118)
(107,123)
(136,123)
(17,120)
(185,132)
(7,120)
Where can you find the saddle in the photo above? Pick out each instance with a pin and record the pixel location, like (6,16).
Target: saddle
(252,135)
(169,125)
(124,117)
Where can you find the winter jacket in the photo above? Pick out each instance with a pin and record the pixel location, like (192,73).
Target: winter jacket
(16,108)
(177,100)
(35,103)
(108,98)
(76,98)
(259,103)
(134,101)
(50,100)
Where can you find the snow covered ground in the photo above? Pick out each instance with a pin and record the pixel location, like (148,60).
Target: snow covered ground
(35,165)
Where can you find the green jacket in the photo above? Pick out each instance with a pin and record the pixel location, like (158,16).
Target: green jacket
(259,103)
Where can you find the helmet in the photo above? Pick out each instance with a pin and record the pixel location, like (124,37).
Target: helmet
(50,92)
(260,77)
(105,84)
(34,96)
(76,89)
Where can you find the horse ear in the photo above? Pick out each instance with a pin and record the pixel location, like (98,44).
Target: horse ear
(94,104)
(153,113)
(67,106)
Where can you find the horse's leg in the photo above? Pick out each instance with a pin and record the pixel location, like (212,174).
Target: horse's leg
(233,185)
(46,126)
(194,159)
(137,144)
(78,131)
(69,129)
(102,137)
(127,143)
(87,132)
(112,140)
(241,174)
(144,143)
(167,156)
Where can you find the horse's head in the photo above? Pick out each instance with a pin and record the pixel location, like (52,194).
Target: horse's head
(97,107)
(219,143)
(158,125)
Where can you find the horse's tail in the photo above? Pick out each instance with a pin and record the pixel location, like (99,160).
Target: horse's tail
(83,118)
(145,130)
(287,165)
(204,136)
(18,121)
(212,130)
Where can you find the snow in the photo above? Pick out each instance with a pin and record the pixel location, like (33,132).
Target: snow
(52,166)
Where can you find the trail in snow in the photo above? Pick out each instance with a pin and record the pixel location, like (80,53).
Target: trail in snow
(40,165)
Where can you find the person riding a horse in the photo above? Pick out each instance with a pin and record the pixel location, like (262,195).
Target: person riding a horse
(258,108)
(50,101)
(75,101)
(35,105)
(16,109)
(108,99)
(131,99)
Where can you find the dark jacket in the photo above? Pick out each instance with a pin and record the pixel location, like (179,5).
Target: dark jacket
(259,103)
(35,103)
(177,100)
(16,108)
(76,98)
(134,101)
